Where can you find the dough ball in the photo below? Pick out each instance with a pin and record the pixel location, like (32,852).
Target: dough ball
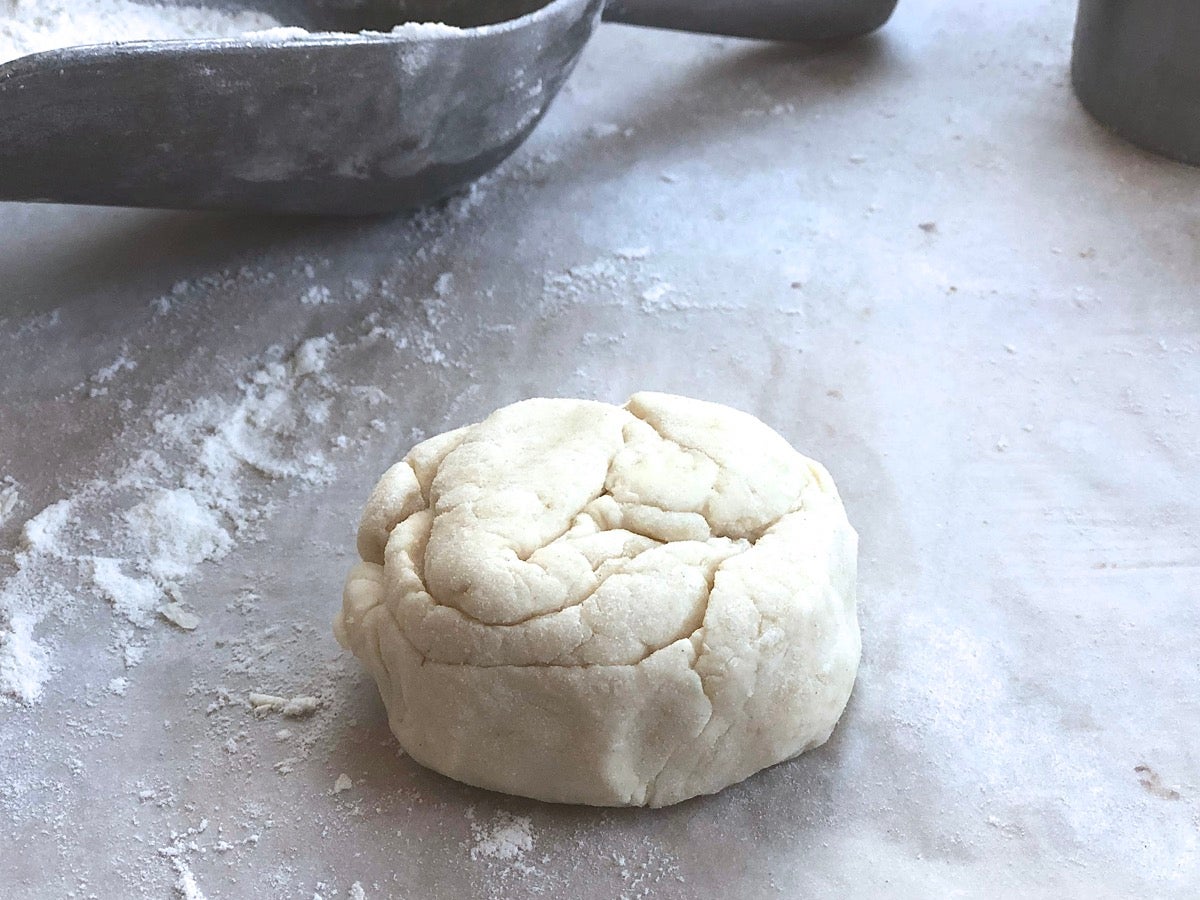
(617,606)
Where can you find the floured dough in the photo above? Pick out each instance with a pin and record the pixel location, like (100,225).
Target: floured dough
(585,603)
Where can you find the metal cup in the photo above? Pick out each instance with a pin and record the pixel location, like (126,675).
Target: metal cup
(1136,68)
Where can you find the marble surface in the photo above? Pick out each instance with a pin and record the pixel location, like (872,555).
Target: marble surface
(916,257)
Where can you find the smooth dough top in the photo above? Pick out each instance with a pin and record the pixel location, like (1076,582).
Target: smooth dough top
(570,550)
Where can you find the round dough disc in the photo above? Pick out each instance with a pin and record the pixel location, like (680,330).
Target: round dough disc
(617,606)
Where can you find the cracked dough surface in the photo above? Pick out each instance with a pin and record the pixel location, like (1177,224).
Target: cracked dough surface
(616,606)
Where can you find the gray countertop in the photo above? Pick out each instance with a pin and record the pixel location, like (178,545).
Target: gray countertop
(916,258)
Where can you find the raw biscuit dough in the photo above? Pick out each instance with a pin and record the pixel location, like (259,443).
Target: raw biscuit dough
(585,603)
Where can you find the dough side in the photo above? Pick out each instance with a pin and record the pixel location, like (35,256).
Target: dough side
(615,606)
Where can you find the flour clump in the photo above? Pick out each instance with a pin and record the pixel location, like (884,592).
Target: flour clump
(616,606)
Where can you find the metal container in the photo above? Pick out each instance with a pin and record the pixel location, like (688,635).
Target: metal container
(1136,68)
(803,20)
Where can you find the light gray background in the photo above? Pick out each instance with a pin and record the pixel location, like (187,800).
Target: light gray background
(1007,399)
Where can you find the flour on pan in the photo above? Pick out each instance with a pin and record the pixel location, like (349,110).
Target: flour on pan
(507,838)
(182,502)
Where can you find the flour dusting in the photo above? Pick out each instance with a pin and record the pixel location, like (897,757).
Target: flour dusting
(184,501)
(182,844)
(42,531)
(316,295)
(507,838)
(24,661)
(133,599)
(107,373)
(185,882)
(178,529)
(10,498)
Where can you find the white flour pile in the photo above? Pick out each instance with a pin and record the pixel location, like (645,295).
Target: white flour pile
(182,502)
(424,30)
(32,26)
(507,838)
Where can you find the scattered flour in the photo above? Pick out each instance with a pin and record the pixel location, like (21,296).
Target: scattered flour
(652,297)
(121,364)
(31,26)
(199,483)
(10,498)
(444,286)
(178,529)
(185,882)
(24,661)
(357,892)
(42,531)
(180,503)
(603,130)
(131,598)
(506,839)
(300,707)
(181,844)
(621,280)
(316,295)
(578,284)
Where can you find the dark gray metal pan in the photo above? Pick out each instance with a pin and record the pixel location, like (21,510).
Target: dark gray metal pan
(338,122)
